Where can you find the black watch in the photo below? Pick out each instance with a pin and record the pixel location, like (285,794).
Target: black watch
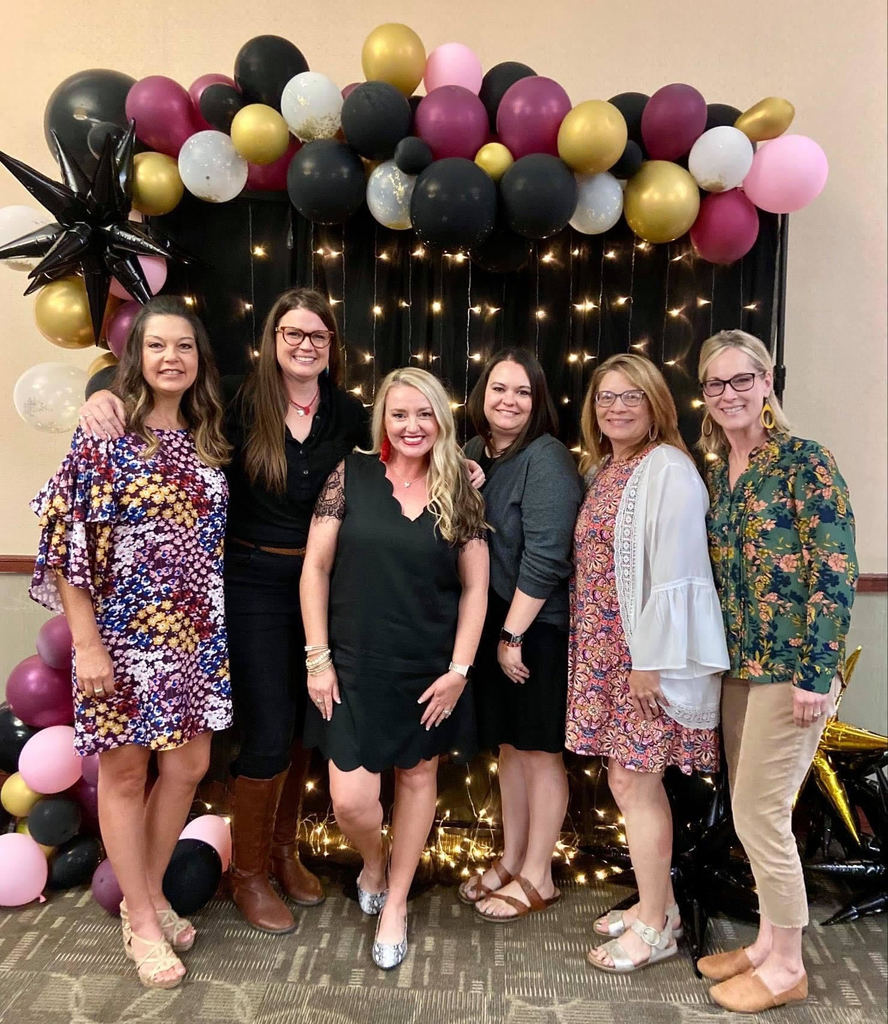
(511,639)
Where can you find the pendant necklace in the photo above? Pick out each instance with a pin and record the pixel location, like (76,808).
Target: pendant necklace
(304,410)
(410,483)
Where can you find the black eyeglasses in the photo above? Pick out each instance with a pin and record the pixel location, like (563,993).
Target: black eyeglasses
(715,386)
(293,336)
(631,399)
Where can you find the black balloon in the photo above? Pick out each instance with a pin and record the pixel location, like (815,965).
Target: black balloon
(719,115)
(193,875)
(74,862)
(503,252)
(412,155)
(54,820)
(631,105)
(14,734)
(326,181)
(539,195)
(375,117)
(80,103)
(218,105)
(497,81)
(263,67)
(629,162)
(101,381)
(453,204)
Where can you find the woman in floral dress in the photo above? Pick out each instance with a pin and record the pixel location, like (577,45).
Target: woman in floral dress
(131,549)
(647,645)
(781,536)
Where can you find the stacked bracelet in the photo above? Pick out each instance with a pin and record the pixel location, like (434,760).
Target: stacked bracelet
(318,660)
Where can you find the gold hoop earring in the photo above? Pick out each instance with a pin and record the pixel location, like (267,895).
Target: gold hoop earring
(653,432)
(767,417)
(707,422)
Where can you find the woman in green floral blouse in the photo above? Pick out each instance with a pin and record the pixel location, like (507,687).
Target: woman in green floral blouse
(781,538)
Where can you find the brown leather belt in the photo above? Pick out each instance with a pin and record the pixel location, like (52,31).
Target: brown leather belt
(297,552)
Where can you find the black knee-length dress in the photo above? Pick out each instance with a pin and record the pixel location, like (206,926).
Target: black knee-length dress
(394,599)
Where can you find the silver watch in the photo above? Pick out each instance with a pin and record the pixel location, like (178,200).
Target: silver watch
(463,670)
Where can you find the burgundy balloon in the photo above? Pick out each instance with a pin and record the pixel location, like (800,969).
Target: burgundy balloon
(347,90)
(106,888)
(453,121)
(90,766)
(530,114)
(40,695)
(195,91)
(54,643)
(120,324)
(672,121)
(88,798)
(272,177)
(163,112)
(726,227)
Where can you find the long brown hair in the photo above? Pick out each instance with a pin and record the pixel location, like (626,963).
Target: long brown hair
(265,396)
(643,375)
(542,420)
(201,405)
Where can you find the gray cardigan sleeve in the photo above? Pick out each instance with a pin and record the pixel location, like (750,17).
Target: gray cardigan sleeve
(549,506)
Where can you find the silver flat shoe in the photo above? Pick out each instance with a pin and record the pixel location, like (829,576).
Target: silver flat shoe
(615,925)
(662,947)
(386,954)
(371,903)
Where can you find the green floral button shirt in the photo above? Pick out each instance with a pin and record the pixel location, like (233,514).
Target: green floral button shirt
(782,548)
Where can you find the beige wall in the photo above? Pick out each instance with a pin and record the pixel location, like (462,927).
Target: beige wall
(828,60)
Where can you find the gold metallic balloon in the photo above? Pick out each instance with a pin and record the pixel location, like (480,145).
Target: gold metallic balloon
(592,137)
(832,788)
(661,201)
(157,187)
(839,736)
(17,796)
(495,159)
(23,830)
(260,134)
(62,313)
(394,53)
(100,362)
(769,118)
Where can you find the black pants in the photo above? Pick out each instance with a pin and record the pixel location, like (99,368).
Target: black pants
(266,647)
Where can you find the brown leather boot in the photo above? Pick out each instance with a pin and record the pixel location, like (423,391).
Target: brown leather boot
(255,804)
(296,880)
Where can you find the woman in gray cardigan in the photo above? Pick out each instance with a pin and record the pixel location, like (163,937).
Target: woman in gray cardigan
(532,494)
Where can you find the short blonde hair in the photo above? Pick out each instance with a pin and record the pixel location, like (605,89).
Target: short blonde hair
(714,441)
(644,375)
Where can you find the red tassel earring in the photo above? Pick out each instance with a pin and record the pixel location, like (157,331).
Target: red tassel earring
(385,450)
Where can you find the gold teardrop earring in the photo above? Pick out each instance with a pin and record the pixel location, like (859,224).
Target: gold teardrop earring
(767,417)
(707,423)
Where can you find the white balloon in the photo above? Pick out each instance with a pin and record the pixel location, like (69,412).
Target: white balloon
(211,168)
(599,203)
(388,195)
(720,159)
(311,104)
(16,222)
(48,396)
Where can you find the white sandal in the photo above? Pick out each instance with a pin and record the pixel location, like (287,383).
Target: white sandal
(615,923)
(662,946)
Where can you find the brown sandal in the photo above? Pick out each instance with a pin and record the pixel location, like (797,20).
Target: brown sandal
(479,888)
(535,903)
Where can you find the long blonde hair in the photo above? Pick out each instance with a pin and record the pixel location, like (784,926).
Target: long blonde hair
(714,441)
(643,375)
(457,507)
(201,405)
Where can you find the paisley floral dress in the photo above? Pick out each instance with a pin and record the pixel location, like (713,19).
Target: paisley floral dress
(600,717)
(145,538)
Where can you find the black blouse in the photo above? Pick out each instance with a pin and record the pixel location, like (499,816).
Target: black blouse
(281,520)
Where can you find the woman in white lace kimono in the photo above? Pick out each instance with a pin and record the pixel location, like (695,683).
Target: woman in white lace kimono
(647,645)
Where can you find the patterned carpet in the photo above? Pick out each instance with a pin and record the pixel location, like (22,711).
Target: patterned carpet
(62,962)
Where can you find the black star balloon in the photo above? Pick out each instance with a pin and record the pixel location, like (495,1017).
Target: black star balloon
(91,235)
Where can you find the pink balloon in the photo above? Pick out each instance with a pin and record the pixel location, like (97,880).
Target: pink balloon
(672,121)
(453,64)
(54,644)
(106,889)
(48,762)
(89,766)
(40,695)
(120,325)
(23,870)
(163,112)
(155,270)
(787,173)
(212,829)
(726,227)
(453,121)
(530,114)
(195,91)
(272,177)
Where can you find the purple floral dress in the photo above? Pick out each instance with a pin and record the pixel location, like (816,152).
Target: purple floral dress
(600,717)
(145,538)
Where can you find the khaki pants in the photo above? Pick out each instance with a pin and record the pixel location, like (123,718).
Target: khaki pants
(768,757)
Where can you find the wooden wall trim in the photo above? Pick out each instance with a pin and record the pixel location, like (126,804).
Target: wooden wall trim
(872,583)
(23,564)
